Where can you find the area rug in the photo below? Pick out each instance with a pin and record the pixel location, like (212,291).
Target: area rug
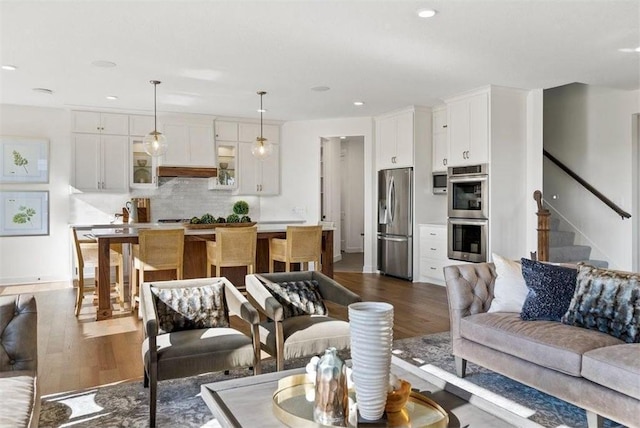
(179,402)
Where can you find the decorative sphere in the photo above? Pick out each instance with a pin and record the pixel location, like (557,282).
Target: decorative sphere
(155,144)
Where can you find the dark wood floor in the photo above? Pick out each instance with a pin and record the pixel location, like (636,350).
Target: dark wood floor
(80,352)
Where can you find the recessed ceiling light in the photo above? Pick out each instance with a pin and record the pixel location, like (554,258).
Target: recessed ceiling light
(320,88)
(43,91)
(104,64)
(111,97)
(343,138)
(630,49)
(9,67)
(426,13)
(358,103)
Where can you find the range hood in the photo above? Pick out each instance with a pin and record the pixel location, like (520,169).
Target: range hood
(187,171)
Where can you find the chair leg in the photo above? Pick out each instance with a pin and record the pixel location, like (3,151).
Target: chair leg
(218,271)
(271,263)
(134,288)
(153,395)
(80,295)
(461,366)
(145,381)
(287,266)
(208,269)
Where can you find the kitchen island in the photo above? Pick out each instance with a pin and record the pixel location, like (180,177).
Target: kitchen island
(195,254)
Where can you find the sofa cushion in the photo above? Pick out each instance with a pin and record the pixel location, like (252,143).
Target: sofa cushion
(549,344)
(551,288)
(18,395)
(616,367)
(298,297)
(606,301)
(188,308)
(510,290)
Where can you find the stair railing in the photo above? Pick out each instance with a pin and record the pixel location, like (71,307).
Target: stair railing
(622,213)
(543,229)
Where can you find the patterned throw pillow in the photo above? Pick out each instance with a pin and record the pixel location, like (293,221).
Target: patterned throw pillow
(189,308)
(551,288)
(298,297)
(606,301)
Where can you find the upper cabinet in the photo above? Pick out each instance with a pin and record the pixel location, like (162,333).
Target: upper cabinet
(395,140)
(100,162)
(91,122)
(440,139)
(468,129)
(139,125)
(190,141)
(255,176)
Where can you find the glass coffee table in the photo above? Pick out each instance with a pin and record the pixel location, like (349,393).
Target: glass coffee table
(248,401)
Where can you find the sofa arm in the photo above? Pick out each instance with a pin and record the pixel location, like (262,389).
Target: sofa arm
(334,291)
(19,327)
(469,291)
(267,304)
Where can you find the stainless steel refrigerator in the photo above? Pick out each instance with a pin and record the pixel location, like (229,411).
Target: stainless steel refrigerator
(395,222)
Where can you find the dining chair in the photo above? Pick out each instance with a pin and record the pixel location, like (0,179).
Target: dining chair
(303,244)
(87,254)
(157,249)
(234,246)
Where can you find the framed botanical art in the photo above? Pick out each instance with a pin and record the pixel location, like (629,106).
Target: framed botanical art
(24,160)
(24,213)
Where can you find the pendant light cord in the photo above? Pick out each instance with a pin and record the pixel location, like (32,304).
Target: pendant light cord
(261,110)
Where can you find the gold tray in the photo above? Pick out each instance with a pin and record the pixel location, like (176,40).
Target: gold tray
(214,225)
(293,409)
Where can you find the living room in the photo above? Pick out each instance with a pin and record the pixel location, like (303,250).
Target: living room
(390,60)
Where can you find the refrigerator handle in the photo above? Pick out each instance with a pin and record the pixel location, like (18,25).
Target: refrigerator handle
(392,199)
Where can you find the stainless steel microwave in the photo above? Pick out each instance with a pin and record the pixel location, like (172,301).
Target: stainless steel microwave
(439,183)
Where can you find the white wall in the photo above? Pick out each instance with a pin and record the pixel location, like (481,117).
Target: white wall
(590,129)
(352,194)
(300,169)
(40,258)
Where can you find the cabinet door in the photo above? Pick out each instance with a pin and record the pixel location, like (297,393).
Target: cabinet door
(440,143)
(87,162)
(115,165)
(226,131)
(386,142)
(404,140)
(142,166)
(201,148)
(247,171)
(478,129)
(458,126)
(270,173)
(114,124)
(139,126)
(248,132)
(271,133)
(178,144)
(85,122)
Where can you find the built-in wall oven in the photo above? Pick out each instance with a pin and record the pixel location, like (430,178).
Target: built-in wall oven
(468,209)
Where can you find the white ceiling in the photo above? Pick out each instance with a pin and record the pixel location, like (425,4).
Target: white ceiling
(213,56)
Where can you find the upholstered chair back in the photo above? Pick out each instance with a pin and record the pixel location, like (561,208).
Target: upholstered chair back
(18,333)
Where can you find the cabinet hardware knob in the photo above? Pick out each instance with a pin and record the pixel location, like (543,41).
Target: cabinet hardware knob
(444,126)
(432,268)
(432,234)
(433,249)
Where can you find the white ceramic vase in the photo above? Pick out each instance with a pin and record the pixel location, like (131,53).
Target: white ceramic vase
(371,327)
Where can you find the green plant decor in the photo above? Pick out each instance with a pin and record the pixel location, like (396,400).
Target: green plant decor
(245,219)
(233,218)
(241,208)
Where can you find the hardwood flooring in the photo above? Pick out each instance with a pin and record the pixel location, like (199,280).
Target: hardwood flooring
(80,352)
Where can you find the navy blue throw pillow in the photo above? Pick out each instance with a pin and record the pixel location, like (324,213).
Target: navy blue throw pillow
(551,289)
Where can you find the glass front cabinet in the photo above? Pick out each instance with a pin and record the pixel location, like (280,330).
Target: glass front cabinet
(227,161)
(142,166)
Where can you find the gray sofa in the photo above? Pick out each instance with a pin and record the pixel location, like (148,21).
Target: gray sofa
(19,362)
(589,369)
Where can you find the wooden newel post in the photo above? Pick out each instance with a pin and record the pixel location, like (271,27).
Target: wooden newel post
(543,228)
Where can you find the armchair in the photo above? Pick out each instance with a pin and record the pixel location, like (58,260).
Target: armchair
(196,338)
(285,337)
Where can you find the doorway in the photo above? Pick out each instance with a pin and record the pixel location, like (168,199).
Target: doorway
(342,198)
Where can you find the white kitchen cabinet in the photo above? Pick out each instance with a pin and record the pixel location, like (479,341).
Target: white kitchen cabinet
(190,141)
(142,167)
(101,162)
(227,158)
(139,125)
(91,122)
(258,177)
(468,127)
(440,140)
(395,140)
(226,131)
(249,132)
(433,253)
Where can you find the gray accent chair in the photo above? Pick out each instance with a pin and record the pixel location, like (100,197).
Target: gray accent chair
(191,352)
(19,361)
(302,335)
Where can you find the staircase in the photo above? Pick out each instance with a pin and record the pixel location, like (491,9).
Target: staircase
(563,250)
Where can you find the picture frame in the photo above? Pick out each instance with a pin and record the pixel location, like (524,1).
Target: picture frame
(24,160)
(24,213)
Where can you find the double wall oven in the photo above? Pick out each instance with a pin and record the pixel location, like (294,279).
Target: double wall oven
(468,211)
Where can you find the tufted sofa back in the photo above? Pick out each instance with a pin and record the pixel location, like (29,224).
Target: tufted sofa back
(18,333)
(469,291)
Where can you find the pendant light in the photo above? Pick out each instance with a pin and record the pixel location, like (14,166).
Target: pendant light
(262,148)
(155,144)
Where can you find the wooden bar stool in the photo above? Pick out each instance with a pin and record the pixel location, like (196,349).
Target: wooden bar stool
(157,249)
(303,244)
(87,253)
(234,246)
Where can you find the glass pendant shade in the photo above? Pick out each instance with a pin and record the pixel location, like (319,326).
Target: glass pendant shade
(262,148)
(155,144)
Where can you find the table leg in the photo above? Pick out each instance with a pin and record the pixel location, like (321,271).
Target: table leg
(104,286)
(327,253)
